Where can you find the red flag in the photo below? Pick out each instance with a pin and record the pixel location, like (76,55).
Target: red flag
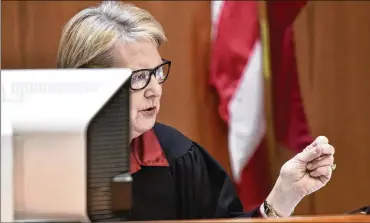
(236,74)
(290,123)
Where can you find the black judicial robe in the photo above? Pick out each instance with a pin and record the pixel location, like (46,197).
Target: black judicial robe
(191,186)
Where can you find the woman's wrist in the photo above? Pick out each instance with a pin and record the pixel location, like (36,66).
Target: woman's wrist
(283,199)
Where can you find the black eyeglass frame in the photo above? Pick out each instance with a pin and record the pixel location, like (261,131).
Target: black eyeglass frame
(152,71)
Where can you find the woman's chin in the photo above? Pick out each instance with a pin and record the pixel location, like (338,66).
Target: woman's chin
(144,124)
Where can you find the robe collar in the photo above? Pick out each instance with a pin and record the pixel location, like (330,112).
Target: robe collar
(146,151)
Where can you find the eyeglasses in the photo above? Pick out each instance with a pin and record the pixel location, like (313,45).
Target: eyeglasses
(141,78)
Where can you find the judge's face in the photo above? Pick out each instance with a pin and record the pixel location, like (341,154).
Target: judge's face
(145,100)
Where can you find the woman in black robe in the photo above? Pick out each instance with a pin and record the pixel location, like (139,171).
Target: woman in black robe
(173,176)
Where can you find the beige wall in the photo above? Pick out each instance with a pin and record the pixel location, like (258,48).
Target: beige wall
(333,49)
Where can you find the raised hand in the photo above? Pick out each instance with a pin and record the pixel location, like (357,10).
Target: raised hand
(304,174)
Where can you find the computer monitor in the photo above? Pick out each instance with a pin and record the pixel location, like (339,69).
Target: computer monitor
(70,143)
(6,174)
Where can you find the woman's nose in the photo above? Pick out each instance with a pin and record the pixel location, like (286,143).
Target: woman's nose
(154,89)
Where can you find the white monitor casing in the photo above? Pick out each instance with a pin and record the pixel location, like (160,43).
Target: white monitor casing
(6,162)
(49,111)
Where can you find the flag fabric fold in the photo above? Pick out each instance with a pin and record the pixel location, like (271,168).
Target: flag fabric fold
(236,73)
(290,123)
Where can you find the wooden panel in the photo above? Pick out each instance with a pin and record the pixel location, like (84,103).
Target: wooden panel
(333,56)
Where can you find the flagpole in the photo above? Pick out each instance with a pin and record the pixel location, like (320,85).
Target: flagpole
(265,40)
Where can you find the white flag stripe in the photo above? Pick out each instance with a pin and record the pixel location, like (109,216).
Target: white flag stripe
(216,7)
(246,113)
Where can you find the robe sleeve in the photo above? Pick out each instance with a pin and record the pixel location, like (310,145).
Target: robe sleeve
(204,189)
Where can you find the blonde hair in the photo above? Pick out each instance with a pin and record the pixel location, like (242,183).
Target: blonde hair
(88,39)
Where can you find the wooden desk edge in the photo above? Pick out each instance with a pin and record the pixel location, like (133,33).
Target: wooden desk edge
(320,218)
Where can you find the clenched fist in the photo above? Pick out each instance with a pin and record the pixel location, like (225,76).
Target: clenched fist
(304,174)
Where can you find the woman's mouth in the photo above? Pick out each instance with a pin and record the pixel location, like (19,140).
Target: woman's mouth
(149,111)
